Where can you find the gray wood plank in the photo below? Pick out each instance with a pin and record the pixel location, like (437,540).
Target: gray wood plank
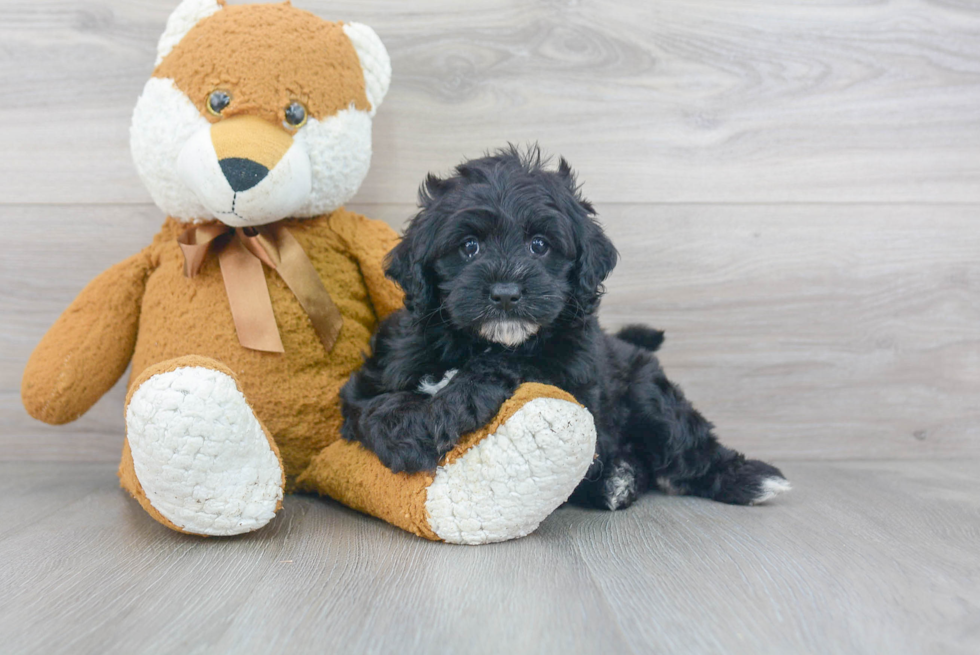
(813,331)
(859,559)
(668,101)
(802,331)
(876,556)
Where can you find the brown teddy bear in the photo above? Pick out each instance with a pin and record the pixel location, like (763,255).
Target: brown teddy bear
(257,298)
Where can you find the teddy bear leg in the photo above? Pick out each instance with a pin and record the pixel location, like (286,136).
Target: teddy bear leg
(196,457)
(499,482)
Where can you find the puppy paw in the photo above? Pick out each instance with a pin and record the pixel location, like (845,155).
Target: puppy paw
(770,487)
(750,482)
(619,488)
(408,457)
(405,444)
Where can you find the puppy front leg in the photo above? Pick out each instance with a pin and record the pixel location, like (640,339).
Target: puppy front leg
(468,402)
(409,431)
(395,426)
(475,394)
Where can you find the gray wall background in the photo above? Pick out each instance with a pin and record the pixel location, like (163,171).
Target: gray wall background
(794,189)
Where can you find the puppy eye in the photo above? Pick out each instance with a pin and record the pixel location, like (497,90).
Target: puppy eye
(470,247)
(295,115)
(539,246)
(217,102)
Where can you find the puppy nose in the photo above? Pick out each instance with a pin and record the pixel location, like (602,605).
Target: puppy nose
(242,174)
(505,295)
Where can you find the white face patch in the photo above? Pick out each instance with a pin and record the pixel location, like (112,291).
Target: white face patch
(339,149)
(163,122)
(170,143)
(281,192)
(508,332)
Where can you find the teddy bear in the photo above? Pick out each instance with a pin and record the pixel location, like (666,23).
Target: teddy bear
(257,299)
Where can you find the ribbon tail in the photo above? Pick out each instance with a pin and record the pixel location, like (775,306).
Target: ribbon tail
(194,242)
(248,295)
(298,272)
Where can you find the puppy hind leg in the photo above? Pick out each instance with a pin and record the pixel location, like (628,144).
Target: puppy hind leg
(729,478)
(616,485)
(683,454)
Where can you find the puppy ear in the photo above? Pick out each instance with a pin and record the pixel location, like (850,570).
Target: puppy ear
(567,176)
(432,189)
(405,264)
(596,254)
(565,172)
(597,258)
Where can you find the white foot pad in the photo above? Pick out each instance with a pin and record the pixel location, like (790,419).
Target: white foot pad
(200,454)
(503,487)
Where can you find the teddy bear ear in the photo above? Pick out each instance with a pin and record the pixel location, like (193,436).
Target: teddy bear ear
(187,14)
(374,62)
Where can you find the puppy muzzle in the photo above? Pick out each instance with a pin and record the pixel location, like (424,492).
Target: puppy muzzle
(246,171)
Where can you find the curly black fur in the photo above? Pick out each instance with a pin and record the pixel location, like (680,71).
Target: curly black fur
(539,261)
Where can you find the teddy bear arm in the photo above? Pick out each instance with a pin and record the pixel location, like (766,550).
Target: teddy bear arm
(369,241)
(498,483)
(88,348)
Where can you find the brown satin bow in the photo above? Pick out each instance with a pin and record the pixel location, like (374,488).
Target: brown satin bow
(241,253)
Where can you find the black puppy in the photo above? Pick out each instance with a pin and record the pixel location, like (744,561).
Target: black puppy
(502,270)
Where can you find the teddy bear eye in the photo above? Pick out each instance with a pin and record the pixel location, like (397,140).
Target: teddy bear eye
(470,247)
(217,101)
(295,115)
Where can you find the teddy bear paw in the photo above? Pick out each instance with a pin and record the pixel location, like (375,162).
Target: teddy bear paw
(506,484)
(202,458)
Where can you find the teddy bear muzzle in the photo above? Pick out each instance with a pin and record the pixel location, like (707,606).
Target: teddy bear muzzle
(246,171)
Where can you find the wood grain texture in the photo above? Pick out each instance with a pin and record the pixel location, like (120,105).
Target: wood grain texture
(801,331)
(869,557)
(668,101)
(793,189)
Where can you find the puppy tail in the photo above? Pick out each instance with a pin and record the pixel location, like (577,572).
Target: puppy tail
(642,336)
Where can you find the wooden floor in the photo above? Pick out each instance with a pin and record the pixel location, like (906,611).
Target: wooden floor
(794,189)
(862,557)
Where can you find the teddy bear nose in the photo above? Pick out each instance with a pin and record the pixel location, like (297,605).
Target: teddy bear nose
(242,174)
(505,295)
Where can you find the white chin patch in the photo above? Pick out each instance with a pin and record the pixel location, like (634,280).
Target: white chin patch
(508,332)
(330,162)
(281,192)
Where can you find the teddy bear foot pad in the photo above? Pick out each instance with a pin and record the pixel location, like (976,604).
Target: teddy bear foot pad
(504,486)
(203,460)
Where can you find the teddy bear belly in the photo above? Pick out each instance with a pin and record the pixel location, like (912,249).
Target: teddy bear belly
(295,393)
